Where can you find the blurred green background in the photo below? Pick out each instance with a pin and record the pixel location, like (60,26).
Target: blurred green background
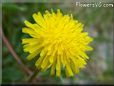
(98,22)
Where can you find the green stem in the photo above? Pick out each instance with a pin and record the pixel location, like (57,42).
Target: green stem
(33,76)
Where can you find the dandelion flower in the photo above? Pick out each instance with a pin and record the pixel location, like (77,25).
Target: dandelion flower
(60,42)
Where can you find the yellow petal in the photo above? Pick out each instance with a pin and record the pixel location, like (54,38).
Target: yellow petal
(69,72)
(28,24)
(58,67)
(53,67)
(32,55)
(42,55)
(30,41)
(39,19)
(31,32)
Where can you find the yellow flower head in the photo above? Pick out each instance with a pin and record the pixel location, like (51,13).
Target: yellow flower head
(59,40)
